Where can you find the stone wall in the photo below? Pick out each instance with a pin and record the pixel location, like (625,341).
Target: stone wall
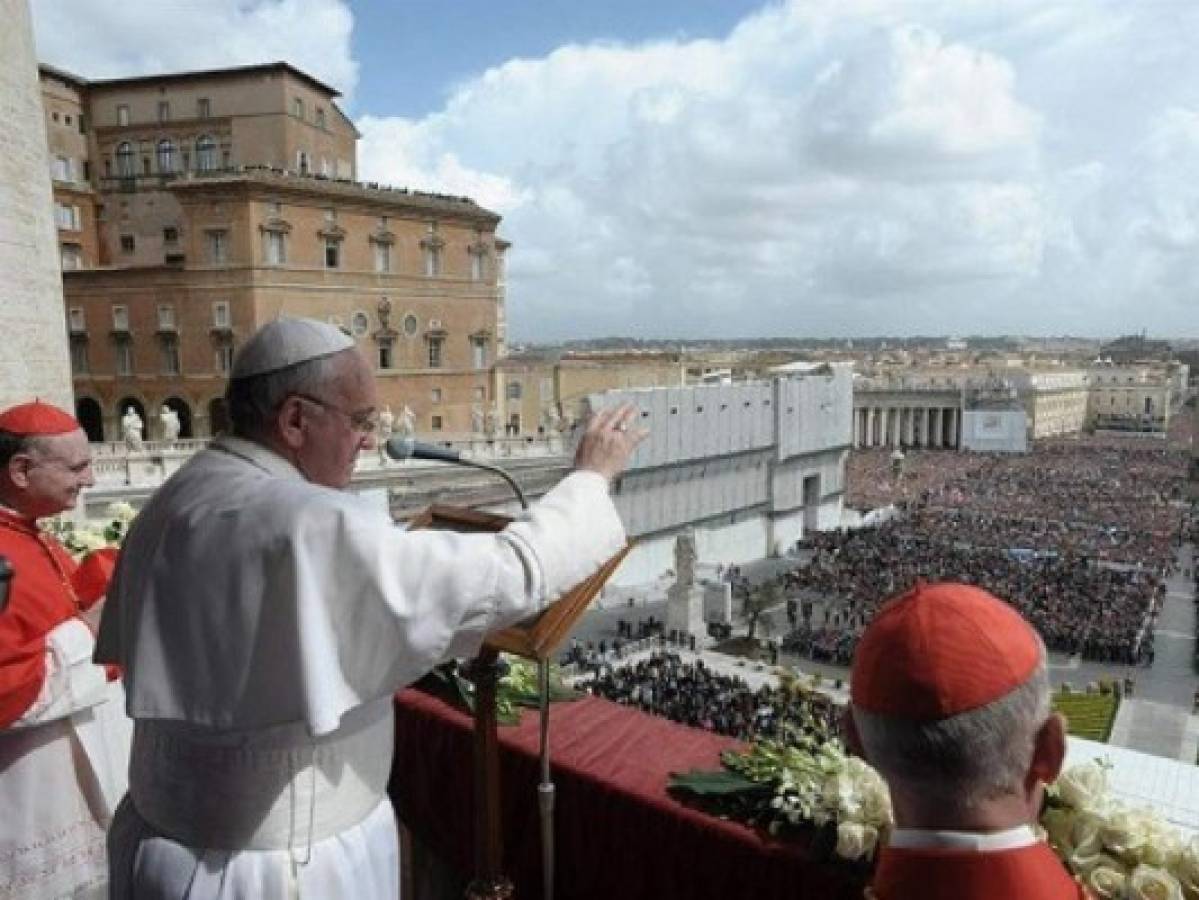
(34,359)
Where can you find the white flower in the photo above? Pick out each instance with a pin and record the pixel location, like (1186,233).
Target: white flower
(1152,883)
(1083,786)
(1123,833)
(121,511)
(1186,868)
(856,841)
(1107,880)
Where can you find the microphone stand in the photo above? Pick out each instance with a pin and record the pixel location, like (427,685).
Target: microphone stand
(545,788)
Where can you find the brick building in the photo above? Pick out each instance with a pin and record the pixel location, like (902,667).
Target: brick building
(198,206)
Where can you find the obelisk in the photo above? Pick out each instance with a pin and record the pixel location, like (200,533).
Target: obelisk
(34,357)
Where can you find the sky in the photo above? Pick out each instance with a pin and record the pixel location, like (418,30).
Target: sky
(720,168)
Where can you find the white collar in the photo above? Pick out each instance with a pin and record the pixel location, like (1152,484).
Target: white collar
(259,455)
(974,841)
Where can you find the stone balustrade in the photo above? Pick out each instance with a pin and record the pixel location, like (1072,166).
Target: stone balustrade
(115,465)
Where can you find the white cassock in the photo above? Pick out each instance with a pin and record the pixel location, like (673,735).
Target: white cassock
(264,624)
(62,773)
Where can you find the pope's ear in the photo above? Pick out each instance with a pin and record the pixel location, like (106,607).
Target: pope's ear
(289,422)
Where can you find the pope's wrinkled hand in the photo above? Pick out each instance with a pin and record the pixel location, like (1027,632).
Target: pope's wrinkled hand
(609,441)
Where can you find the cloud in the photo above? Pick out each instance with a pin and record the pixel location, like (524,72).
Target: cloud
(799,176)
(109,40)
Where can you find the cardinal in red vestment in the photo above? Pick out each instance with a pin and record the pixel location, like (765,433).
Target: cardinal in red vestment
(950,702)
(63,734)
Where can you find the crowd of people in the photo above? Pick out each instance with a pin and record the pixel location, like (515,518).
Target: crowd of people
(694,694)
(1078,534)
(1100,612)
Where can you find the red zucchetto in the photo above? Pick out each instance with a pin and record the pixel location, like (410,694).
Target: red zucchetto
(37,419)
(939,650)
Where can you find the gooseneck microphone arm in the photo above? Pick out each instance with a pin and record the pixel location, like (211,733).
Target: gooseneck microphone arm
(402,448)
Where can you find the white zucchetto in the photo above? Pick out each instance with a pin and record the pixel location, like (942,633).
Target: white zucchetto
(288,342)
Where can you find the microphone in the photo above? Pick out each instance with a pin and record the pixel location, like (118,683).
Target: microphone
(401,448)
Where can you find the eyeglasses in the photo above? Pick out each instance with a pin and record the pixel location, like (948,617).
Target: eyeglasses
(365,421)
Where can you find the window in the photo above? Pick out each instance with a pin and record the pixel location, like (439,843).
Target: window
(124,358)
(276,252)
(218,247)
(205,153)
(120,318)
(170,235)
(76,320)
(332,253)
(320,117)
(220,314)
(435,423)
(166,157)
(435,395)
(66,216)
(127,243)
(224,358)
(170,356)
(435,348)
(476,266)
(203,108)
(360,323)
(297,107)
(62,169)
(164,111)
(382,257)
(79,362)
(514,390)
(125,161)
(302,162)
(478,352)
(71,257)
(386,355)
(166,317)
(410,325)
(122,114)
(432,260)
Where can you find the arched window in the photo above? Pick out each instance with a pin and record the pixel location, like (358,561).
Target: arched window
(205,153)
(125,161)
(166,157)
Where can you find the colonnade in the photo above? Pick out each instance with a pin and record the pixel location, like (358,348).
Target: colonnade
(906,426)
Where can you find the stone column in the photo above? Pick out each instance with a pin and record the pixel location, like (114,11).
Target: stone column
(911,434)
(935,427)
(953,428)
(34,358)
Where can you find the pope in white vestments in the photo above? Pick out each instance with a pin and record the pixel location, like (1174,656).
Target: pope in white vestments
(265,619)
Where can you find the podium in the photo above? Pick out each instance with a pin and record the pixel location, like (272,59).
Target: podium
(535,638)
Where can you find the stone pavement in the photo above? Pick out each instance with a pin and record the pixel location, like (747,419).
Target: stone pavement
(1158,718)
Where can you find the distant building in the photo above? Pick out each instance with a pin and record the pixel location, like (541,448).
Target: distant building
(194,207)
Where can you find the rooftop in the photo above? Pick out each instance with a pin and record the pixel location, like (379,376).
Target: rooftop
(196,75)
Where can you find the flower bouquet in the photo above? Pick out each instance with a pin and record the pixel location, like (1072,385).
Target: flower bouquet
(1118,852)
(85,538)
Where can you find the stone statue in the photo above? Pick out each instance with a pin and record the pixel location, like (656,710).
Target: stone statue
(492,422)
(407,423)
(386,427)
(684,600)
(131,430)
(170,424)
(476,419)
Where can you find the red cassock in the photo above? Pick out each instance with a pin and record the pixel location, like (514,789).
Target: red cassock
(48,588)
(1026,873)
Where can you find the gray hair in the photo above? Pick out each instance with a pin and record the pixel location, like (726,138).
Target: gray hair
(963,760)
(254,401)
